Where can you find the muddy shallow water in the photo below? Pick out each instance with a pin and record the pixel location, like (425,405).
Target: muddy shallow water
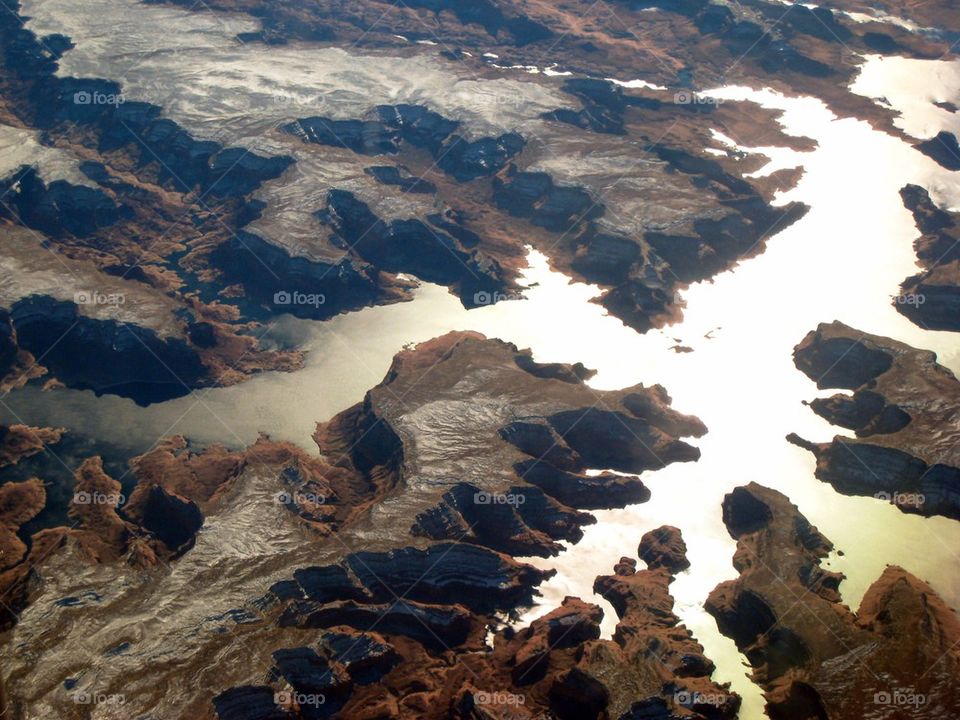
(843,261)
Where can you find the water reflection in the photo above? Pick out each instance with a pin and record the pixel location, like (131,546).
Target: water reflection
(893,81)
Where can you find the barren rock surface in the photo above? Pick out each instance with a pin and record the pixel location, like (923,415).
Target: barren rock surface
(815,658)
(904,410)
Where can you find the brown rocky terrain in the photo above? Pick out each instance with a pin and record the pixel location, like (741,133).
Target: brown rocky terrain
(904,411)
(150,178)
(896,657)
(467,453)
(148,273)
(470,429)
(364,658)
(689,45)
(20,441)
(931,298)
(711,216)
(175,487)
(664,548)
(515,480)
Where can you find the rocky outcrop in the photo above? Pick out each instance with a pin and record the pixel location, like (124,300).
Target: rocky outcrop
(103,527)
(57,208)
(449,460)
(19,503)
(426,658)
(402,178)
(943,148)
(553,430)
(445,573)
(654,666)
(931,298)
(521,521)
(182,162)
(897,656)
(642,274)
(172,519)
(699,235)
(903,411)
(157,514)
(144,367)
(284,283)
(664,548)
(708,224)
(143,223)
(641,265)
(412,246)
(22,441)
(389,125)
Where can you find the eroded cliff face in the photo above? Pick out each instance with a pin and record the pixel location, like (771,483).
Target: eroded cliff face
(467,454)
(184,238)
(488,450)
(904,411)
(815,658)
(424,654)
(931,298)
(809,49)
(146,175)
(461,412)
(234,244)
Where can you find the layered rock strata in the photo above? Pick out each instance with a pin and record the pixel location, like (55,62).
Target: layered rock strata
(904,411)
(897,656)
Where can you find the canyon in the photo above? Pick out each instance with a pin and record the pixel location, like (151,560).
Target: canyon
(345,350)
